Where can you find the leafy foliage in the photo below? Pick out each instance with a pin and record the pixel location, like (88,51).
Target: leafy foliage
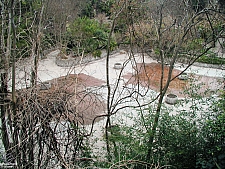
(211,58)
(87,34)
(198,5)
(192,138)
(213,131)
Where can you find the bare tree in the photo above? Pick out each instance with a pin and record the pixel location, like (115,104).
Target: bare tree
(175,35)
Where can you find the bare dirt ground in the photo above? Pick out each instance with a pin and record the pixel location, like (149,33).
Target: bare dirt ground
(149,75)
(85,104)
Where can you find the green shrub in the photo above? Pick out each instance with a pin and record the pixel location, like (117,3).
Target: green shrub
(192,138)
(97,53)
(88,33)
(211,59)
(157,51)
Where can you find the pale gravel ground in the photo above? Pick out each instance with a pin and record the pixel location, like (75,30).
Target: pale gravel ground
(48,70)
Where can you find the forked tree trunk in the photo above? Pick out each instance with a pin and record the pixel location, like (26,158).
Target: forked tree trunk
(109,100)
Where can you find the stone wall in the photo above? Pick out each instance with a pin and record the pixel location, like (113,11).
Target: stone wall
(66,62)
(78,60)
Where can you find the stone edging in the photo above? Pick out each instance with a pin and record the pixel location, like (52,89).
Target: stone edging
(76,61)
(209,65)
(199,64)
(66,62)
(89,58)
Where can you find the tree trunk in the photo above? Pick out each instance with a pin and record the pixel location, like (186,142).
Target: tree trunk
(109,100)
(5,55)
(36,50)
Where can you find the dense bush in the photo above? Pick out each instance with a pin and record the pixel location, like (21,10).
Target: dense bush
(87,34)
(211,58)
(192,138)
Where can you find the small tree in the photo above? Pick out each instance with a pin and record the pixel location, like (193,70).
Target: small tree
(172,39)
(87,34)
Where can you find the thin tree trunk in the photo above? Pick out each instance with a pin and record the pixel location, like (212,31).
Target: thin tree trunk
(109,100)
(13,53)
(162,90)
(36,50)
(5,54)
(109,93)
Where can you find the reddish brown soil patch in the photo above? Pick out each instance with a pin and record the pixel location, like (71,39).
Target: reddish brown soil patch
(68,100)
(70,82)
(149,75)
(85,104)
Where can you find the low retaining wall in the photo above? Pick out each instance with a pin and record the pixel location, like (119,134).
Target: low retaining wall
(65,62)
(207,65)
(78,60)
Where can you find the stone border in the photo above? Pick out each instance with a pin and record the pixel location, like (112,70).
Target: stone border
(89,58)
(66,62)
(214,66)
(199,64)
(76,61)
